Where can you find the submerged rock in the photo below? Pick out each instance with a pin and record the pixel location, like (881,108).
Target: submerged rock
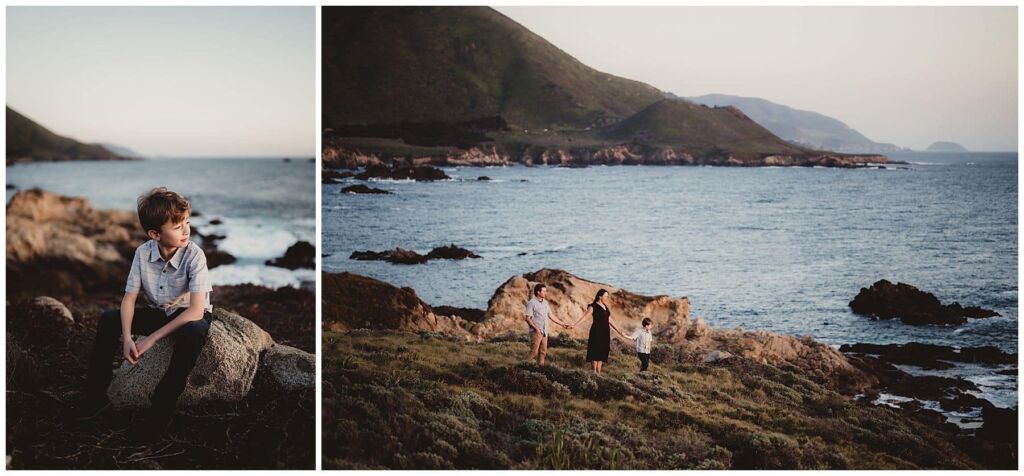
(886,300)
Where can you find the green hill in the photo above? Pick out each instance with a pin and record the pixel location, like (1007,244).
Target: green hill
(699,129)
(28,141)
(454,64)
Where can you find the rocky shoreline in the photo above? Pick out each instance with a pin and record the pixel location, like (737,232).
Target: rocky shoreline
(357,308)
(66,264)
(336,155)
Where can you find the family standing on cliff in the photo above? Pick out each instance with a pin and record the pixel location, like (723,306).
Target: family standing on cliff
(599,340)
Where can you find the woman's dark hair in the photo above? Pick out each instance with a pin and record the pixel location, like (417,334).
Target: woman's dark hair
(537,288)
(600,292)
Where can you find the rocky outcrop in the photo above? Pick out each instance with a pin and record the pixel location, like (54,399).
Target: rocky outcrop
(300,255)
(289,369)
(404,256)
(63,246)
(351,301)
(421,173)
(346,158)
(363,189)
(885,300)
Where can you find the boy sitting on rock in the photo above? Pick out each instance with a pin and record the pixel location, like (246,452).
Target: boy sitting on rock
(170,272)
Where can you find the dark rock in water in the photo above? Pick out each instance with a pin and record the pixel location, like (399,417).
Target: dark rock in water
(11,187)
(1008,372)
(363,189)
(484,178)
(422,173)
(329,181)
(216,221)
(572,165)
(398,256)
(451,252)
(334,174)
(215,257)
(886,300)
(286,159)
(469,314)
(931,356)
(300,255)
(404,256)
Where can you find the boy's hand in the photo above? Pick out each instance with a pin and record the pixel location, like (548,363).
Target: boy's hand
(130,352)
(142,346)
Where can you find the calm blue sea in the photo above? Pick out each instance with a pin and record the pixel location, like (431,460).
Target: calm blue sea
(782,249)
(265,205)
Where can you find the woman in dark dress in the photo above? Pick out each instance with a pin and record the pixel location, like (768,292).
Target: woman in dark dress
(599,341)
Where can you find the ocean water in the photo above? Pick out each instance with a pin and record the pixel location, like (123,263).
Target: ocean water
(781,249)
(265,205)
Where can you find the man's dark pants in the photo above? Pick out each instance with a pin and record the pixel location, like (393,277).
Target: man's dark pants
(645,360)
(188,343)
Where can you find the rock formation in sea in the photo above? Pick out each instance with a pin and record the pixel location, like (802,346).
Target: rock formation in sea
(363,189)
(300,255)
(404,256)
(885,300)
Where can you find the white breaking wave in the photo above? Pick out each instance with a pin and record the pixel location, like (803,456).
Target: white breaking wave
(269,276)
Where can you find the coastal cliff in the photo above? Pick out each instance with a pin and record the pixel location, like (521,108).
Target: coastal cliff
(452,392)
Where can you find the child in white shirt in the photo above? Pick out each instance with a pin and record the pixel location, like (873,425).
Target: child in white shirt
(643,339)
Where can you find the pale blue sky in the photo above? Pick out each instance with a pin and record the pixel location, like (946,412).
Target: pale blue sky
(170,81)
(906,75)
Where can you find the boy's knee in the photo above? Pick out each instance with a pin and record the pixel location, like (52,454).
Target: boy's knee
(194,331)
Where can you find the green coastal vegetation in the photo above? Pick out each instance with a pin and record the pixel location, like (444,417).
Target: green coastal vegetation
(406,400)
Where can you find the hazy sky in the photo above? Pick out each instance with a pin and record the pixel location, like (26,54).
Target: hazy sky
(907,75)
(173,81)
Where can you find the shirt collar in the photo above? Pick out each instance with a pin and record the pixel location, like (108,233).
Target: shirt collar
(176,258)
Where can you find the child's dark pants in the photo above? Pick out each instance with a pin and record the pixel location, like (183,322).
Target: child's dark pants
(645,360)
(188,343)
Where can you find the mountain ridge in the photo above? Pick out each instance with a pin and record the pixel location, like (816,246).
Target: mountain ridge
(28,141)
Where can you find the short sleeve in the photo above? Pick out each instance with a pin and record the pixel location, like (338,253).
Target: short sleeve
(134,284)
(637,333)
(529,308)
(198,274)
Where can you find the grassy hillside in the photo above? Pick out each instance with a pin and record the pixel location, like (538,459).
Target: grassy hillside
(27,140)
(402,400)
(453,64)
(698,128)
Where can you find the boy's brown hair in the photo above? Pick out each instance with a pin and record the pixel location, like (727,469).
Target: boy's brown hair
(158,206)
(646,322)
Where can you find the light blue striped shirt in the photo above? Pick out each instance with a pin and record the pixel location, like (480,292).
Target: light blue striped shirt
(166,284)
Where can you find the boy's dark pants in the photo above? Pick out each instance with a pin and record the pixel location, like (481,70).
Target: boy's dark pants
(188,343)
(645,360)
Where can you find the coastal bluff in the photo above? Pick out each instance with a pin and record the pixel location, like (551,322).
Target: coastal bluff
(352,302)
(408,385)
